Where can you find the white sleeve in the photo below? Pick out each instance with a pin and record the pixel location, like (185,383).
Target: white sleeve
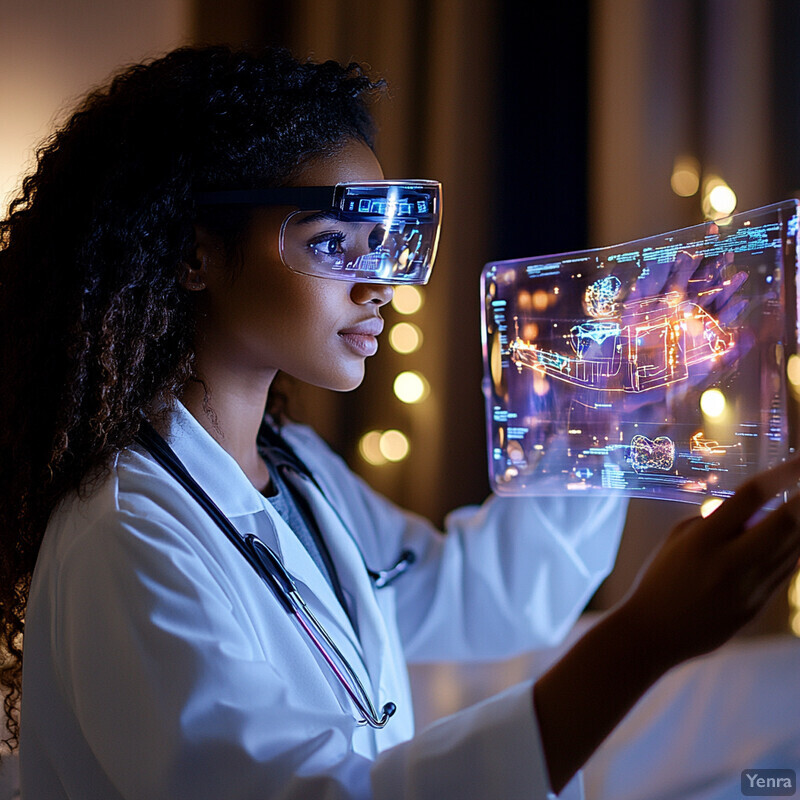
(491,750)
(172,695)
(173,698)
(507,577)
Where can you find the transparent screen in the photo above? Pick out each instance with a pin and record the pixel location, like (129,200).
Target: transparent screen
(662,367)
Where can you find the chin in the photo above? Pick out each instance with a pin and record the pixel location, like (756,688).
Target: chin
(348,386)
(341,382)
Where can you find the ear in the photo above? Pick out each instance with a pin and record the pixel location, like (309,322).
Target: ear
(193,276)
(194,270)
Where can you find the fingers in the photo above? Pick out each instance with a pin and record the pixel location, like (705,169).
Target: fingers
(683,268)
(685,525)
(730,313)
(729,288)
(653,282)
(722,292)
(734,513)
(776,538)
(771,548)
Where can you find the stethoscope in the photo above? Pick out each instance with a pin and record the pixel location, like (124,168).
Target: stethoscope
(271,570)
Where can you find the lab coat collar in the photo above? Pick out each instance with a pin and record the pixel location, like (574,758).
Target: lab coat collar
(221,477)
(211,465)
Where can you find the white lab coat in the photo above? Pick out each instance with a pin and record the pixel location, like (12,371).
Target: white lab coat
(159,666)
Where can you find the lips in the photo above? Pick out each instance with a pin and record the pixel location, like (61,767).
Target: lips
(361,338)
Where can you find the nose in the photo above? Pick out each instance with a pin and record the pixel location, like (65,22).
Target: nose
(377,293)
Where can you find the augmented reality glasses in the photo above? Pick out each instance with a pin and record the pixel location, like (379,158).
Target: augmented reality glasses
(368,232)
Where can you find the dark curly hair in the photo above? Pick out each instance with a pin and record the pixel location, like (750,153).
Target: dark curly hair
(94,324)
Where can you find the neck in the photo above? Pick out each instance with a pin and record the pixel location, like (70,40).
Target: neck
(231,410)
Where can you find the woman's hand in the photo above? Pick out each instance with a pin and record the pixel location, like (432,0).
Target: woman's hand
(712,575)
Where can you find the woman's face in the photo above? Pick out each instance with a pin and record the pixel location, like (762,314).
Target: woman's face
(267,318)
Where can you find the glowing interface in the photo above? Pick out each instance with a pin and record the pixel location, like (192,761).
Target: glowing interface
(653,368)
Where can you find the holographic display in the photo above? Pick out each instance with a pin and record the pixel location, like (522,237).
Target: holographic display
(655,368)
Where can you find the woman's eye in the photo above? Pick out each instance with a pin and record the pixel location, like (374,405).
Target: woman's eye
(328,245)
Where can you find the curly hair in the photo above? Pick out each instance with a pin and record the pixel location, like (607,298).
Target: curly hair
(94,324)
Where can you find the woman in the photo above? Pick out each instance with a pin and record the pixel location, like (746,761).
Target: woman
(159,270)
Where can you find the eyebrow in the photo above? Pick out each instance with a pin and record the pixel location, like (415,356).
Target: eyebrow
(319,216)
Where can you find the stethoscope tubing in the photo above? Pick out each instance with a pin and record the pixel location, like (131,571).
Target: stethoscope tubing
(286,590)
(271,570)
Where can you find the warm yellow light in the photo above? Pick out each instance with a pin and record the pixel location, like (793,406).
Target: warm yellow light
(496,363)
(719,200)
(712,403)
(722,200)
(394,445)
(794,591)
(405,337)
(685,180)
(370,448)
(793,370)
(411,387)
(530,332)
(407,299)
(794,604)
(515,452)
(541,386)
(540,300)
(709,506)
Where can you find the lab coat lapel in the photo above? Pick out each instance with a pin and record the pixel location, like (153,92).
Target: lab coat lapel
(354,578)
(315,589)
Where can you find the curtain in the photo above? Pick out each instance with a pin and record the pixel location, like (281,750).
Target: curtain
(436,121)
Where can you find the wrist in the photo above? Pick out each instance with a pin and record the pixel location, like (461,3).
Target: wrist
(583,696)
(649,645)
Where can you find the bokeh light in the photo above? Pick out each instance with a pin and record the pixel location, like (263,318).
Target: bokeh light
(407,299)
(722,200)
(685,179)
(369,446)
(411,387)
(719,200)
(540,300)
(712,403)
(405,338)
(794,604)
(793,370)
(394,445)
(709,506)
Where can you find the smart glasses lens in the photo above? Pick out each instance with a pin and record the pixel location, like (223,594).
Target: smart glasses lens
(380,232)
